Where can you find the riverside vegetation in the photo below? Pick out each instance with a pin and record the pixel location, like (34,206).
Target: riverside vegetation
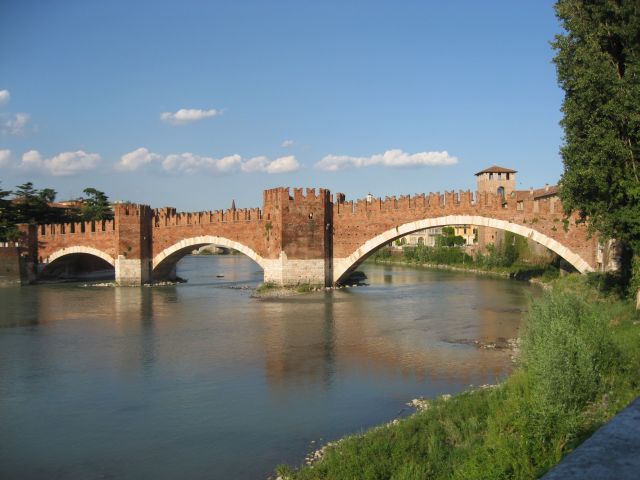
(579,365)
(512,258)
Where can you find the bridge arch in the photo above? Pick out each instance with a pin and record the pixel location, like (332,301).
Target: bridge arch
(344,266)
(76,263)
(80,249)
(163,263)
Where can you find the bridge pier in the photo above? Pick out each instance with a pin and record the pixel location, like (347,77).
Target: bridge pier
(134,271)
(133,224)
(291,272)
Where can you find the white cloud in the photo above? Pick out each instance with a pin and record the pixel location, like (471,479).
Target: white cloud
(190,163)
(136,159)
(188,115)
(255,164)
(390,158)
(283,165)
(287,143)
(65,163)
(15,125)
(5,158)
(4,96)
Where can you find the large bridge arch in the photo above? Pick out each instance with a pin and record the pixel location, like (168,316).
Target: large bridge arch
(163,264)
(344,266)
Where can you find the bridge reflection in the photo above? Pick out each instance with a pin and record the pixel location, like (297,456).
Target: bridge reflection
(314,340)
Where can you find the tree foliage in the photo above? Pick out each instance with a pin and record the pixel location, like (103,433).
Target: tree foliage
(598,65)
(95,206)
(33,206)
(449,238)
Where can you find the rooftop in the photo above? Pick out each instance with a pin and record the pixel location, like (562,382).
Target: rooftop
(496,169)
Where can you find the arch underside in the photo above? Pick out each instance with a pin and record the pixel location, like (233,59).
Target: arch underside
(80,249)
(77,262)
(164,263)
(344,266)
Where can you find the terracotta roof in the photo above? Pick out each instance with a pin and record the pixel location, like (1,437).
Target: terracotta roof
(548,191)
(496,169)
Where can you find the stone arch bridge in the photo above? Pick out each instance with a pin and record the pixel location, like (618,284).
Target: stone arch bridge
(305,237)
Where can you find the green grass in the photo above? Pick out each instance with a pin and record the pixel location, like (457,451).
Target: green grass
(266,286)
(579,365)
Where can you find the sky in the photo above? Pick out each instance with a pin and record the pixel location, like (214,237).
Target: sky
(194,104)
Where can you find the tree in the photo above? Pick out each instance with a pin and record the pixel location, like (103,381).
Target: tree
(598,65)
(96,206)
(32,205)
(8,230)
(449,238)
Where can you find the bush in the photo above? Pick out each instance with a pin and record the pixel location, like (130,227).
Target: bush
(568,351)
(436,255)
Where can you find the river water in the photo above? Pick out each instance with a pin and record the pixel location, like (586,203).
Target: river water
(202,381)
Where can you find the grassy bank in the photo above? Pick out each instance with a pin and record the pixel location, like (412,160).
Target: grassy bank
(579,365)
(500,261)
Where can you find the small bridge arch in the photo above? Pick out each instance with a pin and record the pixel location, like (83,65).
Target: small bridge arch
(74,261)
(163,264)
(344,266)
(79,249)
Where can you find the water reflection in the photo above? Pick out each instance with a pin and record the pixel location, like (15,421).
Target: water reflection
(193,379)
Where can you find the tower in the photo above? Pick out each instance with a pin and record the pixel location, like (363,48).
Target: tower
(501,181)
(496,179)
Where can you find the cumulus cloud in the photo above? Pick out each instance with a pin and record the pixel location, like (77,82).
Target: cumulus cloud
(390,158)
(283,165)
(263,164)
(5,158)
(4,96)
(191,163)
(287,143)
(188,115)
(136,159)
(65,163)
(15,125)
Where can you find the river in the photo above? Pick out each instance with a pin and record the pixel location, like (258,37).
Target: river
(202,381)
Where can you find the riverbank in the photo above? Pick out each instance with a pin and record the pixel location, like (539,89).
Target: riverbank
(578,367)
(541,274)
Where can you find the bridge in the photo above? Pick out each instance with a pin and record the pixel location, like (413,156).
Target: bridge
(303,236)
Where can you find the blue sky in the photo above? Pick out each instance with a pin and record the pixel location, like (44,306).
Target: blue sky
(192,104)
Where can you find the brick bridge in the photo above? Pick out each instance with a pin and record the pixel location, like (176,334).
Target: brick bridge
(307,237)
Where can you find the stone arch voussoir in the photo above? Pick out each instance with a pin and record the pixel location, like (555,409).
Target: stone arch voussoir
(342,266)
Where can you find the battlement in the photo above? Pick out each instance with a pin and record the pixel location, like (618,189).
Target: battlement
(464,199)
(76,228)
(168,217)
(132,209)
(282,196)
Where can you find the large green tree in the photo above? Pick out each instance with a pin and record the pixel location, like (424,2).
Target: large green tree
(96,205)
(598,64)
